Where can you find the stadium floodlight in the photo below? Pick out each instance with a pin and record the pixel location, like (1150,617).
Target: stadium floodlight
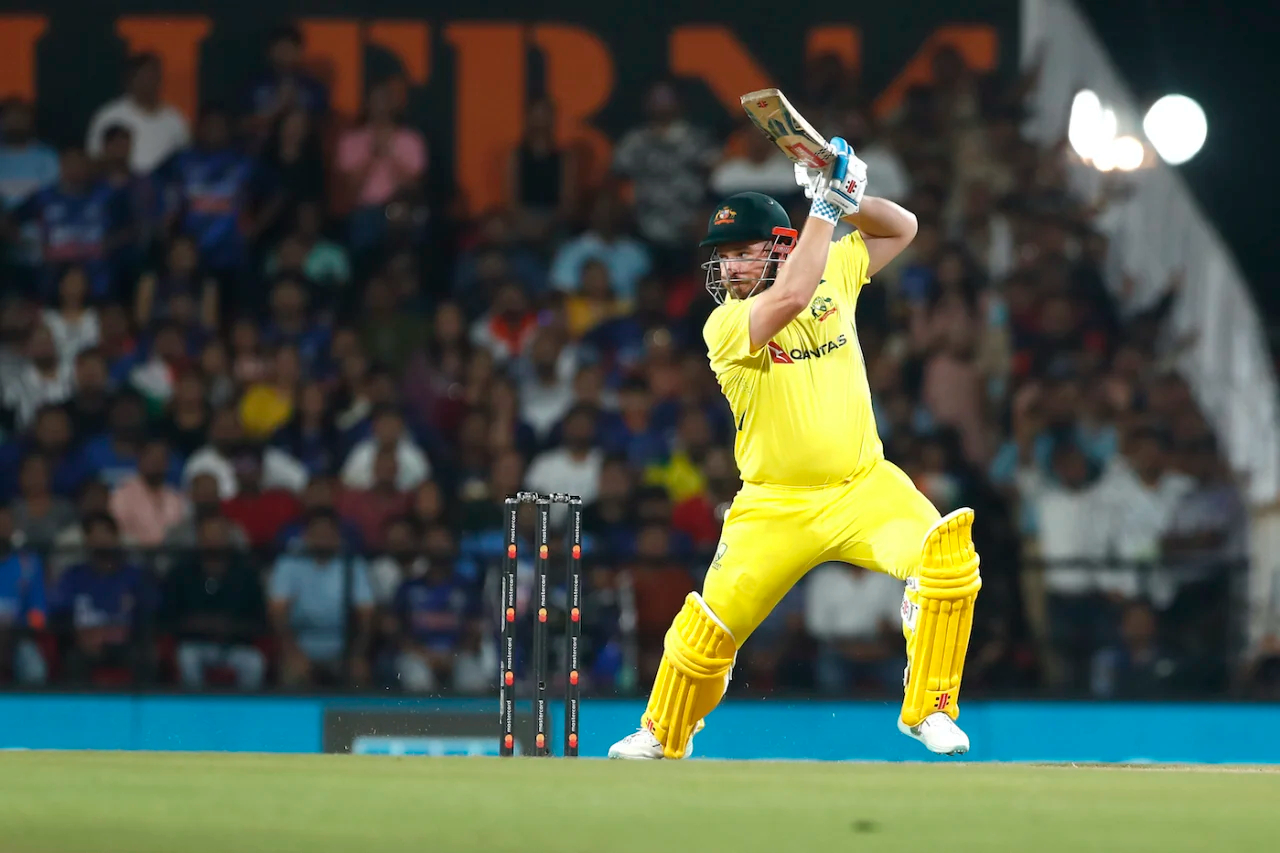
(1127,153)
(1082,128)
(1177,127)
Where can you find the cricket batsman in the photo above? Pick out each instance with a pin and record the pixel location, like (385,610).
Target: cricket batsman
(816,485)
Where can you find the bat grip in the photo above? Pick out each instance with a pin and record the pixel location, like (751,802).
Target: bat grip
(839,168)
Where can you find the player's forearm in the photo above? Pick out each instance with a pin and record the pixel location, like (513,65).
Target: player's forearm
(800,275)
(879,217)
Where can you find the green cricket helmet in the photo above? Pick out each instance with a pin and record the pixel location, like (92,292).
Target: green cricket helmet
(747,218)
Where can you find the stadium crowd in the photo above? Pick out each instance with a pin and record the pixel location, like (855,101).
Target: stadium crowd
(262,393)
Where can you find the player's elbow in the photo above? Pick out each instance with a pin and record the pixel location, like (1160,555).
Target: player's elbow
(910,226)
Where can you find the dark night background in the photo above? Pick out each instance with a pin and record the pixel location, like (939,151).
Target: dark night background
(1226,61)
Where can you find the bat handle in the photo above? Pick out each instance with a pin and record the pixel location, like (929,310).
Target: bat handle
(839,166)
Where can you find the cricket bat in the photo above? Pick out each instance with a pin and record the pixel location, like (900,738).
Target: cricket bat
(770,111)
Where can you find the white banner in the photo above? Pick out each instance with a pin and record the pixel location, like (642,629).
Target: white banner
(1160,230)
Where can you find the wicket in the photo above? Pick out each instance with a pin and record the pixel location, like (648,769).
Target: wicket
(573,622)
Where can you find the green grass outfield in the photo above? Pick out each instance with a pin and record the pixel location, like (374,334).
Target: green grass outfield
(60,802)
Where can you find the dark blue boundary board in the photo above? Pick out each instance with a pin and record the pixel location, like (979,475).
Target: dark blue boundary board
(740,729)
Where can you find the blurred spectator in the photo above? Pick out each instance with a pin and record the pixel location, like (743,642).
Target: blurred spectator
(117,343)
(1204,547)
(267,406)
(1136,666)
(155,377)
(285,85)
(379,162)
(546,391)
(495,257)
(760,167)
(631,431)
(293,323)
(279,469)
(156,129)
(1209,524)
(609,519)
(26,163)
(681,473)
(202,502)
(90,406)
(248,360)
(187,421)
(856,617)
(145,506)
(435,611)
(429,506)
(701,516)
(260,510)
(306,251)
(594,303)
(482,506)
(320,495)
(1140,492)
(39,514)
(390,333)
(81,220)
(160,293)
(667,159)
(313,596)
(661,585)
(291,174)
(208,193)
(103,603)
(509,325)
(136,193)
(69,546)
(785,657)
(50,437)
(40,379)
(507,428)
(371,509)
(390,434)
(400,560)
(952,383)
(22,608)
(1071,523)
(213,604)
(113,457)
(542,176)
(310,435)
(215,365)
(574,468)
(625,257)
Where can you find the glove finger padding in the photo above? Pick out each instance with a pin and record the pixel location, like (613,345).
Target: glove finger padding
(848,183)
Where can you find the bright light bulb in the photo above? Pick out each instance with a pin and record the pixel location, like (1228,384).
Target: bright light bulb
(1082,128)
(1177,127)
(1105,159)
(1127,153)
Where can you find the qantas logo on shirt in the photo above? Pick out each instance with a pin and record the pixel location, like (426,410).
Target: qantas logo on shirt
(778,355)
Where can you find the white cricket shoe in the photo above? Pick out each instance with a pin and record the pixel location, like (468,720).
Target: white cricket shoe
(938,733)
(641,745)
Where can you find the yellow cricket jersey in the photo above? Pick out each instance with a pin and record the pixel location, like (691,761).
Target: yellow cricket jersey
(801,403)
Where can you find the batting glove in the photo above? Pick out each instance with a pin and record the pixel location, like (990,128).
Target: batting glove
(813,181)
(837,192)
